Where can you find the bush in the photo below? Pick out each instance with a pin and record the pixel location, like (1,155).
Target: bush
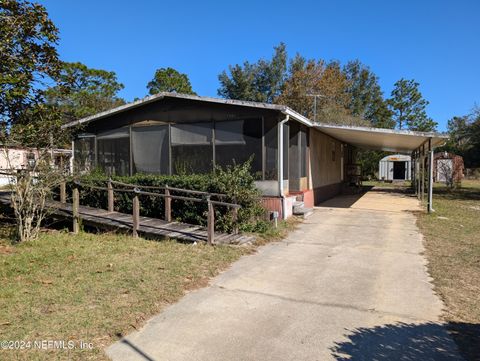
(235,181)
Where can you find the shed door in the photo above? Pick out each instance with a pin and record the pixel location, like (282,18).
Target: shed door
(444,170)
(399,170)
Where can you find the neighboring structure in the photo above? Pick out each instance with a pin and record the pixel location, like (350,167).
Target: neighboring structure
(18,158)
(168,133)
(448,168)
(396,167)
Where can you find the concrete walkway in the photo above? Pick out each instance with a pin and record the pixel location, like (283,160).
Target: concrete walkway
(350,283)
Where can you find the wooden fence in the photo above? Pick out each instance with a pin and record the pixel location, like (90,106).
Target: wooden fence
(136,190)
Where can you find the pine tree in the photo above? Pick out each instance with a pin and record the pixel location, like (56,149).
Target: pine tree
(408,107)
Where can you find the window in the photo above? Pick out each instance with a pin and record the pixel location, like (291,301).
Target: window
(84,154)
(238,140)
(150,149)
(332,145)
(113,149)
(192,149)
(31,160)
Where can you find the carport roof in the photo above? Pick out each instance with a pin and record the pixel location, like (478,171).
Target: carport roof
(399,141)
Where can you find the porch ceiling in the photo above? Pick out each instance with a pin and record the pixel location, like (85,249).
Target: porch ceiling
(399,141)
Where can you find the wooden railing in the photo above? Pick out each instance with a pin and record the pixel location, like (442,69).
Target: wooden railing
(136,190)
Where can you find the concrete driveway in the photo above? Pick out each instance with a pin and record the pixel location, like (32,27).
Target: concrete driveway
(350,283)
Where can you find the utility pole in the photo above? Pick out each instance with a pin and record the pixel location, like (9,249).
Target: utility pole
(315,96)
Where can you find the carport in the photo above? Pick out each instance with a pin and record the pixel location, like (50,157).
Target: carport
(420,145)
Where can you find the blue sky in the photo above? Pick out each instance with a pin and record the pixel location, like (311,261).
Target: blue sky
(433,41)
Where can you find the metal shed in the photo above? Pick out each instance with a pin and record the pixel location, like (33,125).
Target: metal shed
(395,167)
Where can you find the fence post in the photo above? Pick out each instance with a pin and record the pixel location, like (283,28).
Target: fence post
(136,214)
(63,192)
(168,205)
(75,209)
(210,222)
(235,220)
(110,195)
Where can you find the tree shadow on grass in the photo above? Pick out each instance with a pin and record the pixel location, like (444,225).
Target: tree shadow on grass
(459,193)
(411,342)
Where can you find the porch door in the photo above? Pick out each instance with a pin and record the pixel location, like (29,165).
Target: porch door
(294,158)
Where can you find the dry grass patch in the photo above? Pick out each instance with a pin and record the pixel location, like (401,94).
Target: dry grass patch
(452,241)
(94,288)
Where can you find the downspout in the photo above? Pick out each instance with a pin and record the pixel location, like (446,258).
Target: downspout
(280,162)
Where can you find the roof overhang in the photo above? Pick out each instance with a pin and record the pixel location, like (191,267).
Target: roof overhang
(187,97)
(399,141)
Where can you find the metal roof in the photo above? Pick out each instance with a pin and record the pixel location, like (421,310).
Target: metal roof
(399,141)
(163,95)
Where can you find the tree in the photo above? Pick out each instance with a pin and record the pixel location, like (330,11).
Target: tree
(317,90)
(83,91)
(408,107)
(366,96)
(464,140)
(170,80)
(260,82)
(28,57)
(28,61)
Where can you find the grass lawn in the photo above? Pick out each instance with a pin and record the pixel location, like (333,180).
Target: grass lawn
(397,184)
(94,288)
(452,241)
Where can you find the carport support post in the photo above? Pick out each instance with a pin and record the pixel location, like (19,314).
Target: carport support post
(412,173)
(422,174)
(417,180)
(430,177)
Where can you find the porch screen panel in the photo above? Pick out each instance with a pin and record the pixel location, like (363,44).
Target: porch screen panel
(271,149)
(84,154)
(285,150)
(150,149)
(192,148)
(236,141)
(113,150)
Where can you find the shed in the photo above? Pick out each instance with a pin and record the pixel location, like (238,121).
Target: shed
(448,168)
(396,167)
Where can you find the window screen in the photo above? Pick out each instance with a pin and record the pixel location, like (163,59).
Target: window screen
(113,149)
(192,149)
(271,149)
(236,141)
(150,149)
(84,154)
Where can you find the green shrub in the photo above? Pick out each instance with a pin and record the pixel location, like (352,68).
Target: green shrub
(236,182)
